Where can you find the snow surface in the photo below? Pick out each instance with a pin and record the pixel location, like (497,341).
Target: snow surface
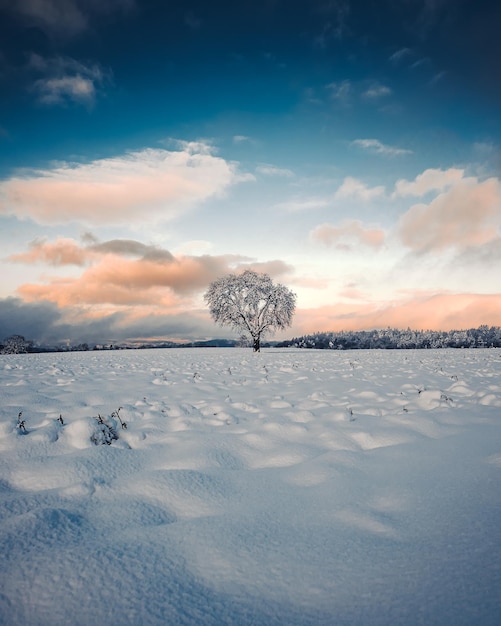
(289,487)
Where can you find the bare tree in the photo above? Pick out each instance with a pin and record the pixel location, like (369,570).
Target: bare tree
(252,303)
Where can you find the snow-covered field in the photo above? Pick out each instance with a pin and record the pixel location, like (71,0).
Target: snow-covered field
(289,487)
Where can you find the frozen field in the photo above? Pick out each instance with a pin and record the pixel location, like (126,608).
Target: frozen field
(289,487)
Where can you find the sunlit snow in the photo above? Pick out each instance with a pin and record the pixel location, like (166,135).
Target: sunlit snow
(289,487)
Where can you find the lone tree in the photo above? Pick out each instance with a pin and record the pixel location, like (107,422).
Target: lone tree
(252,303)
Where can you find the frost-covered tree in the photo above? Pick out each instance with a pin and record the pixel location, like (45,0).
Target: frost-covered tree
(251,303)
(16,344)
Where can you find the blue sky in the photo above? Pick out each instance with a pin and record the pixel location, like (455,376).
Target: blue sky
(349,149)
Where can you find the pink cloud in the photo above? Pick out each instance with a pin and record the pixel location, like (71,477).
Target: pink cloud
(61,252)
(152,183)
(429,180)
(468,214)
(348,232)
(128,273)
(427,312)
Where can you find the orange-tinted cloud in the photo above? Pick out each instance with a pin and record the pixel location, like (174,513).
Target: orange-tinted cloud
(468,214)
(427,312)
(349,232)
(152,183)
(65,251)
(61,252)
(129,273)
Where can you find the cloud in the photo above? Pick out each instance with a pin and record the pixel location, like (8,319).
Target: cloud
(125,272)
(397,57)
(69,252)
(64,18)
(154,184)
(341,91)
(32,320)
(243,139)
(271,170)
(376,91)
(66,80)
(439,311)
(334,19)
(354,188)
(467,214)
(349,231)
(45,323)
(62,252)
(302,204)
(351,188)
(57,90)
(377,147)
(438,77)
(125,290)
(429,180)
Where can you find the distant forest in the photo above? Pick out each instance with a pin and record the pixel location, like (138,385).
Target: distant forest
(387,339)
(393,338)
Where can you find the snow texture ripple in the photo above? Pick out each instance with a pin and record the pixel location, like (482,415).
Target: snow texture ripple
(290,487)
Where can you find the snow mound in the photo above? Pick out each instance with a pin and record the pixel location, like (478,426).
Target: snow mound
(218,486)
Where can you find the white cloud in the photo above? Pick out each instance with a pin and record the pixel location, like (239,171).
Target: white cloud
(66,79)
(272,170)
(354,188)
(242,139)
(58,90)
(376,146)
(376,91)
(302,204)
(429,180)
(152,184)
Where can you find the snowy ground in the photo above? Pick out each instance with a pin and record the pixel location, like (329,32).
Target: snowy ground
(288,487)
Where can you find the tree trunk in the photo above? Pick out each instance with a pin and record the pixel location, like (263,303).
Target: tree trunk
(257,344)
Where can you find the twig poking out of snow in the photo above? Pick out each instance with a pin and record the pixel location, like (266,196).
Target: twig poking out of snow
(117,415)
(21,424)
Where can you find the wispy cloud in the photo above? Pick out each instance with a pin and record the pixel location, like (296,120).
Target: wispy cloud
(66,80)
(335,25)
(377,147)
(376,91)
(354,188)
(59,90)
(271,170)
(399,55)
(65,18)
(348,235)
(437,78)
(242,139)
(303,204)
(341,91)
(154,183)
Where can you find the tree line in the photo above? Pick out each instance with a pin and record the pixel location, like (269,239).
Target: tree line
(394,338)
